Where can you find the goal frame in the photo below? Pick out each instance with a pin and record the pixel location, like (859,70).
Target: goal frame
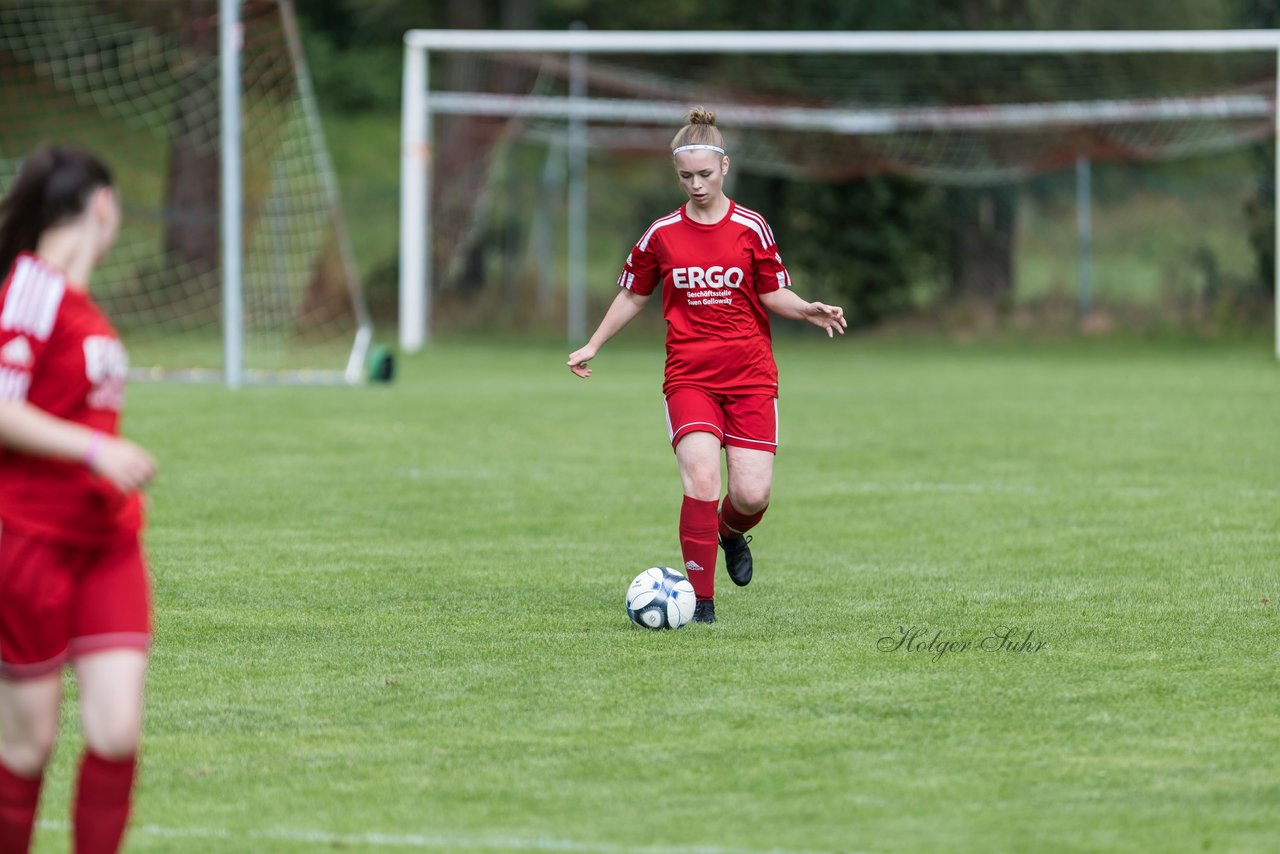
(415,285)
(234,374)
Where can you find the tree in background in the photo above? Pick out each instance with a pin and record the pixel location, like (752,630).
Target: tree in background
(191,247)
(1261,209)
(355,49)
(981,220)
(876,239)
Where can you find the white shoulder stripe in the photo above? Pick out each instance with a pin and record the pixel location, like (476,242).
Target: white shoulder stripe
(48,301)
(751,224)
(34,297)
(665,221)
(14,384)
(768,232)
(18,299)
(17,302)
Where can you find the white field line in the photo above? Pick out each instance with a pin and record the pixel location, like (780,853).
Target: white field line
(425,841)
(917,486)
(892,487)
(1028,489)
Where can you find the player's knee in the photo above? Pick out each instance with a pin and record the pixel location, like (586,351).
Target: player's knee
(114,743)
(27,758)
(701,478)
(751,499)
(704,484)
(113,737)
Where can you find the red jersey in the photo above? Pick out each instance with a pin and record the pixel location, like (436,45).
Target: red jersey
(712,277)
(59,353)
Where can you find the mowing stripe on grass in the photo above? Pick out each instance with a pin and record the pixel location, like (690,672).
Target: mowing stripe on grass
(427,841)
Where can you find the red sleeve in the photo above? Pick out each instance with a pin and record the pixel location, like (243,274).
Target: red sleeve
(770,274)
(640,273)
(29,305)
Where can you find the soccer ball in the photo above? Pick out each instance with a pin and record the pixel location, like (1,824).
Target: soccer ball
(660,598)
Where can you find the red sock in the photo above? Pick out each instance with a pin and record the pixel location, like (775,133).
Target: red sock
(102,803)
(18,800)
(698,545)
(735,524)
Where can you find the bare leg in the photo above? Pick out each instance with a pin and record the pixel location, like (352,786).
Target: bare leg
(28,728)
(750,483)
(29,722)
(750,478)
(698,455)
(111,687)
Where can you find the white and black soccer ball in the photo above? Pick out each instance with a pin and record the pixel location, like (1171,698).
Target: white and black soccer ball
(660,598)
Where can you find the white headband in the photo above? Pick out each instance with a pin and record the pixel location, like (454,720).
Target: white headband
(715,148)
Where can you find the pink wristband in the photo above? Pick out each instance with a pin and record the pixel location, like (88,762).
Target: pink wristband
(91,453)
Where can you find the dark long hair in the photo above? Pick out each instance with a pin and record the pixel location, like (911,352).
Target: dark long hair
(53,185)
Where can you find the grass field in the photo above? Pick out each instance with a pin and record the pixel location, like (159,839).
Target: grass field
(391,618)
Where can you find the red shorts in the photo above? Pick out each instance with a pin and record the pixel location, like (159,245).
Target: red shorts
(58,602)
(741,420)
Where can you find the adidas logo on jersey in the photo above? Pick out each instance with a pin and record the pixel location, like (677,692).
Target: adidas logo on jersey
(691,566)
(17,353)
(710,277)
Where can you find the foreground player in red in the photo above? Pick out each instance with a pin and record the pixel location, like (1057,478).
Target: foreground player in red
(719,269)
(73,584)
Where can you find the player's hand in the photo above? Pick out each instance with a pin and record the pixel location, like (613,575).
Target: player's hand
(578,361)
(828,317)
(127,466)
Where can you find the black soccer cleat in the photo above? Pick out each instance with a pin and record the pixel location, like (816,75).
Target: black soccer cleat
(737,559)
(704,611)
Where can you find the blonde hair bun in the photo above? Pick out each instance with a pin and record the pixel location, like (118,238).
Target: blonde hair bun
(702,116)
(700,129)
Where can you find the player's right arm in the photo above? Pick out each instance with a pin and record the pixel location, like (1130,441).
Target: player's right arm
(626,305)
(30,430)
(29,313)
(638,280)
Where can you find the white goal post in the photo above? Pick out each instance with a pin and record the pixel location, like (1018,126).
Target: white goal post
(420,103)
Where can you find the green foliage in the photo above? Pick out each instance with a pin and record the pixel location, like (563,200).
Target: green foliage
(646,15)
(376,23)
(876,241)
(869,243)
(1260,213)
(355,49)
(1261,209)
(355,79)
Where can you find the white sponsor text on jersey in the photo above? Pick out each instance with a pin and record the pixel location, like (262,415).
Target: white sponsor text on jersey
(709,277)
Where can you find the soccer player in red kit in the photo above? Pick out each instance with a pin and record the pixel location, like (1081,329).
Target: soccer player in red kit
(719,269)
(73,584)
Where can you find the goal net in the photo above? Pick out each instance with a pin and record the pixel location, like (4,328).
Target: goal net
(491,118)
(138,83)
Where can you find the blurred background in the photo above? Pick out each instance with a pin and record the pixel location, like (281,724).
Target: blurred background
(940,226)
(958,232)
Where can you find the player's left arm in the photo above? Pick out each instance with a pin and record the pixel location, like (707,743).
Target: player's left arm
(785,302)
(773,286)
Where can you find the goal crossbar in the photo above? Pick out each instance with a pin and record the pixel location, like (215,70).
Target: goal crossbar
(863,121)
(1004,41)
